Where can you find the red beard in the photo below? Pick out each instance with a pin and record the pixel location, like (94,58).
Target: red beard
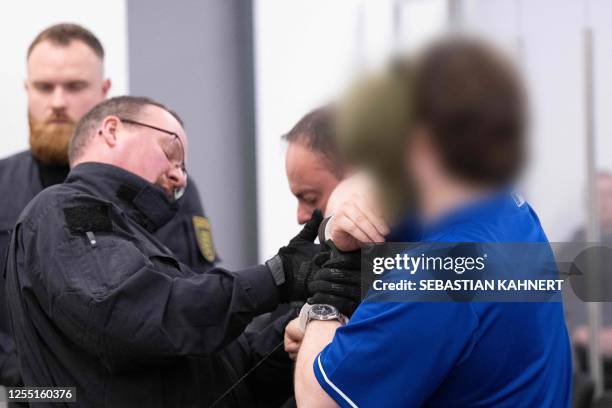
(49,139)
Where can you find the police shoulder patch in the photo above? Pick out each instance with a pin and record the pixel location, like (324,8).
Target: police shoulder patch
(203,234)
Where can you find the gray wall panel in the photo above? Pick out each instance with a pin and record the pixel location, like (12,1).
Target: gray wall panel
(196,56)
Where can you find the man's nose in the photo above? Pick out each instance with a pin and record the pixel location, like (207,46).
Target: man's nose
(303,215)
(58,99)
(177,177)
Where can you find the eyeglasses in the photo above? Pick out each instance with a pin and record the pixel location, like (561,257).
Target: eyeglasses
(177,158)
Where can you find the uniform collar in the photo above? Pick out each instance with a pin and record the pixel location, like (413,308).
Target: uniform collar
(51,174)
(146,203)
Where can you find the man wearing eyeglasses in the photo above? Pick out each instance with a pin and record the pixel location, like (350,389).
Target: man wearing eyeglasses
(97,302)
(65,79)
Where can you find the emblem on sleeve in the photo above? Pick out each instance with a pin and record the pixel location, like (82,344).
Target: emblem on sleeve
(203,234)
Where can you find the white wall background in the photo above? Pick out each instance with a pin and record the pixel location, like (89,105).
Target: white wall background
(21,21)
(303,50)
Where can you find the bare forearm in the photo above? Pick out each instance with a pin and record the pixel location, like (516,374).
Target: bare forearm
(308,392)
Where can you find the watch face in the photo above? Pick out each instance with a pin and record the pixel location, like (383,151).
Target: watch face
(323,310)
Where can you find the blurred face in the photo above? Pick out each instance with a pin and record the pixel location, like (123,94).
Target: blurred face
(310,179)
(604,187)
(157,155)
(63,83)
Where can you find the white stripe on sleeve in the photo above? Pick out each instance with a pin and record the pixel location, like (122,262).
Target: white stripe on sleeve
(331,384)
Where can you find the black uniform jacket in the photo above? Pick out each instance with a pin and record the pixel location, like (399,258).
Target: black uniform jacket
(22,177)
(98,302)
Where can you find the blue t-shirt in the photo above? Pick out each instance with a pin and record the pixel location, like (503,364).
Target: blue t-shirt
(412,354)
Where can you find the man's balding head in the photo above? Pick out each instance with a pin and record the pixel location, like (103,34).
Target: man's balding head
(312,163)
(137,134)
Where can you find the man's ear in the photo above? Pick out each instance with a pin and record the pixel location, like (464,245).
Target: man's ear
(108,131)
(106,85)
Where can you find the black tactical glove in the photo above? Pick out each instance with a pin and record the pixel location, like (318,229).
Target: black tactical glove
(338,281)
(294,263)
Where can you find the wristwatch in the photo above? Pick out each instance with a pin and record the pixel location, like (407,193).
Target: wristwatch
(319,312)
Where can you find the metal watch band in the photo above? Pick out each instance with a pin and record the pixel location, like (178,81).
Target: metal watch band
(304,317)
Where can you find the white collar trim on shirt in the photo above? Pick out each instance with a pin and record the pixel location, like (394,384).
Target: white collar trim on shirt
(519,200)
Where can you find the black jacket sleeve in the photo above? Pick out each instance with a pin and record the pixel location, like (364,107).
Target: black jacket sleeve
(124,304)
(272,381)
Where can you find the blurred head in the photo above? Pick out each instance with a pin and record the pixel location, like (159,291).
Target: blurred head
(312,162)
(137,134)
(65,79)
(604,190)
(470,119)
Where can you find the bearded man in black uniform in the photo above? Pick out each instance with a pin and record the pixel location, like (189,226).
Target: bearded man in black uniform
(65,79)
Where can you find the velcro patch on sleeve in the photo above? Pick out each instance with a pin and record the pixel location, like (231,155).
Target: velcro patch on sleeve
(85,218)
